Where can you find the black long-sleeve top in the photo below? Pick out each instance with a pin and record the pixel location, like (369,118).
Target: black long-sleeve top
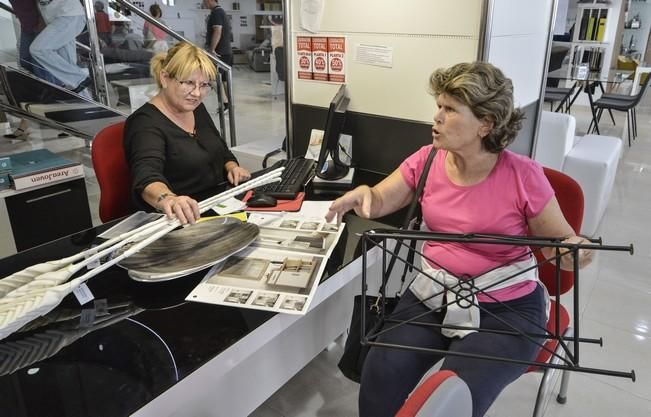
(157,150)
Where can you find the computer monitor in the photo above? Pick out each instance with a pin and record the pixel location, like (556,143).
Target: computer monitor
(334,168)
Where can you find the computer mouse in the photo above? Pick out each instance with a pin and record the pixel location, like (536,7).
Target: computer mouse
(261,200)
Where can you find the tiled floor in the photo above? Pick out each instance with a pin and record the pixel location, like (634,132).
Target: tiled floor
(615,297)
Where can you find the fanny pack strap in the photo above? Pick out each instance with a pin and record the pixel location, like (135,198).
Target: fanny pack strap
(413,210)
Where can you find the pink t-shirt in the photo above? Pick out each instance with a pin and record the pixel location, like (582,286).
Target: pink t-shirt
(158,33)
(515,190)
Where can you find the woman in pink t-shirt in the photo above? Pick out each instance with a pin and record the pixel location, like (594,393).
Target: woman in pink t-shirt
(474,185)
(155,38)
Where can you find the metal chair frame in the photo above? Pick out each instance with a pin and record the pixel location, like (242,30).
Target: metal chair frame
(567,353)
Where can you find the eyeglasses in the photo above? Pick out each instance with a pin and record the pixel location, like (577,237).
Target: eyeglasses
(188,86)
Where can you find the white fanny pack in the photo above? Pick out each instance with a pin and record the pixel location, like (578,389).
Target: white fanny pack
(464,311)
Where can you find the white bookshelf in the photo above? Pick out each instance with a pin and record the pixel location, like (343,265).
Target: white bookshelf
(595,28)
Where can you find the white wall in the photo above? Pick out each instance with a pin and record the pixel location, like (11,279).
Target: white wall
(189,18)
(519,35)
(424,36)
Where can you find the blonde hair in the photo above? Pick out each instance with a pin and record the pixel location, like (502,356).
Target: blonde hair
(489,95)
(180,61)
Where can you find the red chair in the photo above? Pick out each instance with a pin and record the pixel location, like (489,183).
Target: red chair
(112,173)
(420,403)
(570,199)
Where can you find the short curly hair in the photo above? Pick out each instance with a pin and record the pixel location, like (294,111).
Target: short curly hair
(489,95)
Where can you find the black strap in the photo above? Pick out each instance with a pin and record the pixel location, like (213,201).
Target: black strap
(413,210)
(282,148)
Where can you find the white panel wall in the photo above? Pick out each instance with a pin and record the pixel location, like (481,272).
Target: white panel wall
(518,41)
(424,35)
(401,91)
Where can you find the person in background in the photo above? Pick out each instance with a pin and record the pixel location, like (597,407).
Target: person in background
(474,185)
(218,38)
(54,48)
(30,25)
(102,23)
(155,38)
(174,150)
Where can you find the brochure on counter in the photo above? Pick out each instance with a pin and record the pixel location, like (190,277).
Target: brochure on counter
(279,271)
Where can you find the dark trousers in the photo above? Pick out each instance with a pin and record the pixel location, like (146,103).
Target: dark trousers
(389,375)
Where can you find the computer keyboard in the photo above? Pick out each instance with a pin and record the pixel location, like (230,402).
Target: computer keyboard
(298,172)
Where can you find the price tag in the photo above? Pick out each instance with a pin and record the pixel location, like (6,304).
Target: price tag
(83,294)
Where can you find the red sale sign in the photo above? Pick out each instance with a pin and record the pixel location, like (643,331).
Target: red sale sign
(320,58)
(337,59)
(304,57)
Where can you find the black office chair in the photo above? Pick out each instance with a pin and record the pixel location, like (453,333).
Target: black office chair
(627,97)
(562,96)
(621,103)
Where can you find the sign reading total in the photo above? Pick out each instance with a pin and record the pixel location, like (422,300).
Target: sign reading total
(336,58)
(304,57)
(321,58)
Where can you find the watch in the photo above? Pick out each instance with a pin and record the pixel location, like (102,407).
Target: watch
(163,196)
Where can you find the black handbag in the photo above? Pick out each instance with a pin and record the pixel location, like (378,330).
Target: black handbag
(352,360)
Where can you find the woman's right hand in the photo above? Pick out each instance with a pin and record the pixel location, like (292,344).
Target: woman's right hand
(182,207)
(360,199)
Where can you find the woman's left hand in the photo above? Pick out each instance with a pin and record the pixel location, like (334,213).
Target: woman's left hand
(237,175)
(585,255)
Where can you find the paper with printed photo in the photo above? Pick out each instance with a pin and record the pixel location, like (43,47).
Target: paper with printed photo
(279,271)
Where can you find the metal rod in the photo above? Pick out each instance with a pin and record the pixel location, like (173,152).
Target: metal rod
(289,74)
(543,81)
(575,294)
(493,240)
(590,340)
(630,375)
(95,55)
(362,333)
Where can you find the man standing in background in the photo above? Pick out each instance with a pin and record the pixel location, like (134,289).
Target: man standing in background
(218,37)
(54,48)
(102,23)
(28,17)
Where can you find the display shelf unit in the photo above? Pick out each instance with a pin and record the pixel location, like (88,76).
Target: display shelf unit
(267,13)
(635,39)
(595,29)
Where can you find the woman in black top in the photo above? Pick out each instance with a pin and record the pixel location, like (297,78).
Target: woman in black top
(173,148)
